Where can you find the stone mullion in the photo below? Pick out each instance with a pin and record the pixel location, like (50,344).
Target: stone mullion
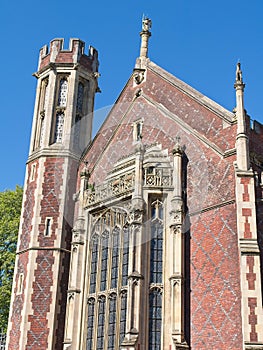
(135,259)
(134,290)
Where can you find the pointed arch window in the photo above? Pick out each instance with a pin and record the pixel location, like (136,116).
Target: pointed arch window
(94,263)
(112,322)
(108,261)
(101,323)
(115,256)
(123,313)
(91,314)
(104,260)
(155,319)
(62,95)
(125,256)
(156,245)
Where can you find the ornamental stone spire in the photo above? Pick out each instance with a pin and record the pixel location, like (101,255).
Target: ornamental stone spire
(145,35)
(243,162)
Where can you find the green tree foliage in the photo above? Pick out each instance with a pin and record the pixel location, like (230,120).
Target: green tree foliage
(10,209)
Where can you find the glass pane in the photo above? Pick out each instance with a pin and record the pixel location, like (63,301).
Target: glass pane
(155,319)
(156,255)
(80,97)
(112,323)
(93,269)
(59,127)
(123,316)
(62,95)
(115,257)
(125,257)
(91,308)
(104,263)
(101,324)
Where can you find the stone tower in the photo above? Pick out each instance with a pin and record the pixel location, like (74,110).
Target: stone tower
(62,126)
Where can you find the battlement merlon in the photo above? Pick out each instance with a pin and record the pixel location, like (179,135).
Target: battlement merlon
(56,54)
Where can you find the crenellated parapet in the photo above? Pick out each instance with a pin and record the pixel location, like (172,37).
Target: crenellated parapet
(56,55)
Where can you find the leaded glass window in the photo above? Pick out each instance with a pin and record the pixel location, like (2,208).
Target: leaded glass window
(112,322)
(80,97)
(115,257)
(101,323)
(77,127)
(156,253)
(62,95)
(125,256)
(155,319)
(91,313)
(123,312)
(59,127)
(110,239)
(94,262)
(104,260)
(156,244)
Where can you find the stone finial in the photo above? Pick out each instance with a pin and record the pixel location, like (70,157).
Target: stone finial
(239,79)
(146,24)
(145,34)
(177,147)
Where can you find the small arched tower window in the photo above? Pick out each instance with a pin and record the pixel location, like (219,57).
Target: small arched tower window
(80,97)
(62,95)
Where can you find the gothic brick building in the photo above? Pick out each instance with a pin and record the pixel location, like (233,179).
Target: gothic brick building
(149,236)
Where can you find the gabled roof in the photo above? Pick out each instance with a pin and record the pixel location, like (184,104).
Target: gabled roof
(173,100)
(191,92)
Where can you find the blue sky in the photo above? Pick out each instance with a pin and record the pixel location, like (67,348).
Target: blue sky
(198,41)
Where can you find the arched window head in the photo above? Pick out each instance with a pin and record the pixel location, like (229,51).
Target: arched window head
(62,94)
(94,262)
(157,210)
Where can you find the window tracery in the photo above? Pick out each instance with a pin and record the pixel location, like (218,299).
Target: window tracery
(109,257)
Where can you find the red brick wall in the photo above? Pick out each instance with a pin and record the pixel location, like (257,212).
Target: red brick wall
(214,318)
(22,259)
